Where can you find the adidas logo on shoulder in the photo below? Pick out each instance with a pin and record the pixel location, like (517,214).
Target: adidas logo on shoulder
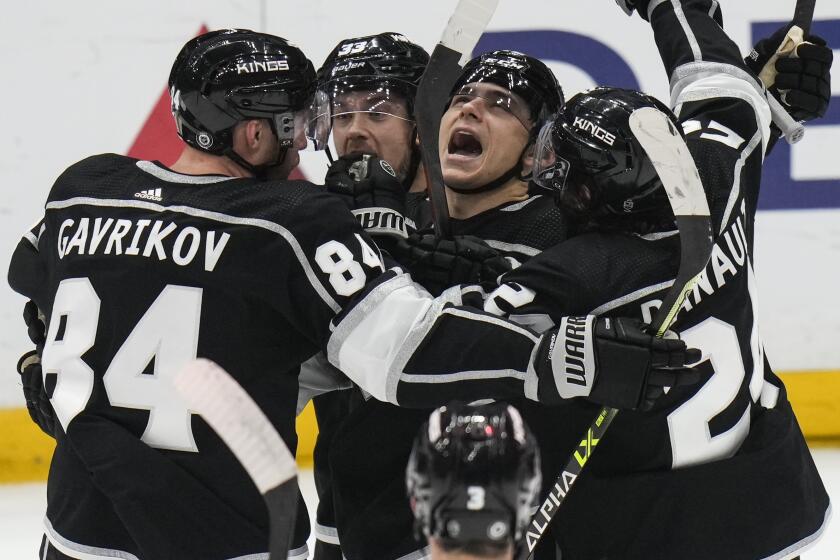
(151,194)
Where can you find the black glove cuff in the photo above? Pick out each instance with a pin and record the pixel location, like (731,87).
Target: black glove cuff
(626,390)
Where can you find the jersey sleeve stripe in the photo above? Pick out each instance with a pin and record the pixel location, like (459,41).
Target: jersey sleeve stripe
(713,80)
(512,247)
(81,551)
(689,34)
(390,328)
(631,297)
(464,376)
(486,318)
(215,216)
(32,238)
(30,235)
(735,191)
(396,311)
(326,534)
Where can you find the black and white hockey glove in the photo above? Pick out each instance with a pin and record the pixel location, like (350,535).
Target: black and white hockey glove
(373,193)
(438,264)
(37,401)
(611,361)
(803,81)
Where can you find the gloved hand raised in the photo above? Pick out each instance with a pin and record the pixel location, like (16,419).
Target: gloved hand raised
(612,361)
(438,264)
(370,188)
(803,81)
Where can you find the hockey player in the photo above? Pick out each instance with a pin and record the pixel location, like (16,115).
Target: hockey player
(138,269)
(459,154)
(473,478)
(487,134)
(128,265)
(728,450)
(370,83)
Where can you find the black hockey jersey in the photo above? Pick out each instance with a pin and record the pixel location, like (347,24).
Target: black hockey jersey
(732,440)
(371,447)
(138,270)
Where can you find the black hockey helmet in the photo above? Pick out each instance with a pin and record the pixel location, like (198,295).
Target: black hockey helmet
(590,156)
(227,76)
(527,77)
(473,475)
(524,75)
(382,66)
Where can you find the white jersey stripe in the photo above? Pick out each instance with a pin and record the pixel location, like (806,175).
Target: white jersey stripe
(173,177)
(689,34)
(631,297)
(216,216)
(513,247)
(326,534)
(81,551)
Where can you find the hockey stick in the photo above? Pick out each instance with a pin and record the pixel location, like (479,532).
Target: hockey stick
(465,26)
(675,166)
(223,403)
(800,26)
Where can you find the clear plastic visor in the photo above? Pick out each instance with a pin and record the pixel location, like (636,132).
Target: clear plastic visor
(550,170)
(340,103)
(317,121)
(306,128)
(495,98)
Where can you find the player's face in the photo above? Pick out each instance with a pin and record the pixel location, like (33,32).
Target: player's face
(365,123)
(482,135)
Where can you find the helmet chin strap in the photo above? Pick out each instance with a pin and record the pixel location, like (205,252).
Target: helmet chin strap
(515,171)
(413,162)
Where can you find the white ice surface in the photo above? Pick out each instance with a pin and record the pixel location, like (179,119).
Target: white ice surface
(22,509)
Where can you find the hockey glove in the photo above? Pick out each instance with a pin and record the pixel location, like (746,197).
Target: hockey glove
(35,327)
(37,401)
(611,361)
(438,264)
(803,81)
(370,188)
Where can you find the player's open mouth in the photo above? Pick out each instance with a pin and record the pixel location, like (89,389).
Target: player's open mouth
(464,143)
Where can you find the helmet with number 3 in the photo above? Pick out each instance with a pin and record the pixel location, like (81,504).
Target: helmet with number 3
(473,475)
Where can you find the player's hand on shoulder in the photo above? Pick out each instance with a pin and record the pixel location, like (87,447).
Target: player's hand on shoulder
(615,362)
(438,264)
(37,401)
(803,81)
